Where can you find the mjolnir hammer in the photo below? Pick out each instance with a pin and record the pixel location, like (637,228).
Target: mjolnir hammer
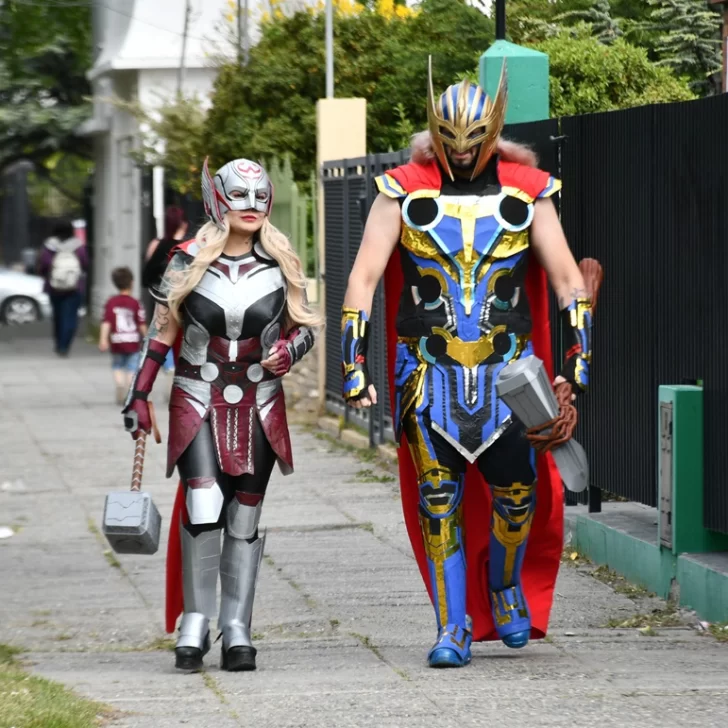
(131,520)
(526,390)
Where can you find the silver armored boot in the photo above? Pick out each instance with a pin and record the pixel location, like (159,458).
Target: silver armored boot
(200,566)
(242,553)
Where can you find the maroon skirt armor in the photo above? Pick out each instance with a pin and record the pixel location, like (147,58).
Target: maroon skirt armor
(240,391)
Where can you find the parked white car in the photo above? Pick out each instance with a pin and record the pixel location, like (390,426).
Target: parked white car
(21,298)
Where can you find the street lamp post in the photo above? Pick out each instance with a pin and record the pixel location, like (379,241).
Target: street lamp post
(500,19)
(329,49)
(246,34)
(243,36)
(724,42)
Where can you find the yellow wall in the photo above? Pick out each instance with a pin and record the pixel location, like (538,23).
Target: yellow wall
(341,133)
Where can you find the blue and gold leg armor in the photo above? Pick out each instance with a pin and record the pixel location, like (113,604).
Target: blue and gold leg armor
(513,508)
(440,512)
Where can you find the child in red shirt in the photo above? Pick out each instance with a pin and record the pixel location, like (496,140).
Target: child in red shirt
(122,331)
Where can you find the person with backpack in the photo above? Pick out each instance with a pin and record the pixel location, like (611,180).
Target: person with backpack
(63,264)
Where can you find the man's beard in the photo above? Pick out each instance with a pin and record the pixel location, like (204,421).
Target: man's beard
(462,168)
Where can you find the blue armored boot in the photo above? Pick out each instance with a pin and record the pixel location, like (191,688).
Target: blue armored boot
(441,522)
(513,508)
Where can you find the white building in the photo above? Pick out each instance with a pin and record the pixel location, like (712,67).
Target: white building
(138,47)
(138,51)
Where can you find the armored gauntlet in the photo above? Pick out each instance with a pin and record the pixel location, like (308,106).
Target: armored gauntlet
(577,332)
(354,344)
(293,348)
(137,418)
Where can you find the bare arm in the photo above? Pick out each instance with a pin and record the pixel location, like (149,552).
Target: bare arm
(549,244)
(104,336)
(380,238)
(151,248)
(164,328)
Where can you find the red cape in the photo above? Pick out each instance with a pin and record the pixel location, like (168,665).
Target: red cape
(175,597)
(541,563)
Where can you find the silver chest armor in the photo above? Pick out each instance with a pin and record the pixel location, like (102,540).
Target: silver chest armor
(237,299)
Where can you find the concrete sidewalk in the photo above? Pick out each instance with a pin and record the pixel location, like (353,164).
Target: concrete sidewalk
(342,621)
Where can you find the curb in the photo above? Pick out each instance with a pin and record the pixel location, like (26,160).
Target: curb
(696,581)
(355,438)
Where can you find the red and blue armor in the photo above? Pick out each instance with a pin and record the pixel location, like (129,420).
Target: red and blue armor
(463,314)
(465,297)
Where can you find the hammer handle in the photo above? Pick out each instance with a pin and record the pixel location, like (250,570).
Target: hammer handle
(138,469)
(141,449)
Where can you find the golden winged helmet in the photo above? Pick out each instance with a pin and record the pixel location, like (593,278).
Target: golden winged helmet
(464,117)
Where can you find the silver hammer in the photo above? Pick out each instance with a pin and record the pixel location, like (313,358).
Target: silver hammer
(131,520)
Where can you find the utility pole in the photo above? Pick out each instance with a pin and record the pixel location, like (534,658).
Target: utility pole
(724,42)
(329,49)
(500,19)
(246,34)
(240,35)
(181,73)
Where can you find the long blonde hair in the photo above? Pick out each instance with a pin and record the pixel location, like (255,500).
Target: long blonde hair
(212,240)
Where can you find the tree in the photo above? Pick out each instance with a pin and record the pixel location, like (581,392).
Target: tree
(588,76)
(599,17)
(688,40)
(45,51)
(270,108)
(171,136)
(531,21)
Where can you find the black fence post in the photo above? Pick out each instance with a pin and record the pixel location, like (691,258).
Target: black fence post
(381,307)
(595,499)
(347,245)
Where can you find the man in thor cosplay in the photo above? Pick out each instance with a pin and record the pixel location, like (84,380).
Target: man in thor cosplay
(466,236)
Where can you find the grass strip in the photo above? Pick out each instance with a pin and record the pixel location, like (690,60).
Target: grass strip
(27,701)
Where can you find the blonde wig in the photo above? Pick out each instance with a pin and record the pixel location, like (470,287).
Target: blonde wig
(212,240)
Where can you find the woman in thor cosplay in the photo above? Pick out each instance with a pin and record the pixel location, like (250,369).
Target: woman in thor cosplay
(233,301)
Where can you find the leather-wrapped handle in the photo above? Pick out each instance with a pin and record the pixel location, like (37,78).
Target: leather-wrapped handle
(138,467)
(140,451)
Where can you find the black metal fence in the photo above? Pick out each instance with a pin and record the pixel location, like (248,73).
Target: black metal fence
(645,192)
(349,191)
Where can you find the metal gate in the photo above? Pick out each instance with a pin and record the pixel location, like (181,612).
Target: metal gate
(644,192)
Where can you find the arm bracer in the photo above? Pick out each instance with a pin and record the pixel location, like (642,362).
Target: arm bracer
(152,357)
(576,321)
(300,342)
(354,345)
